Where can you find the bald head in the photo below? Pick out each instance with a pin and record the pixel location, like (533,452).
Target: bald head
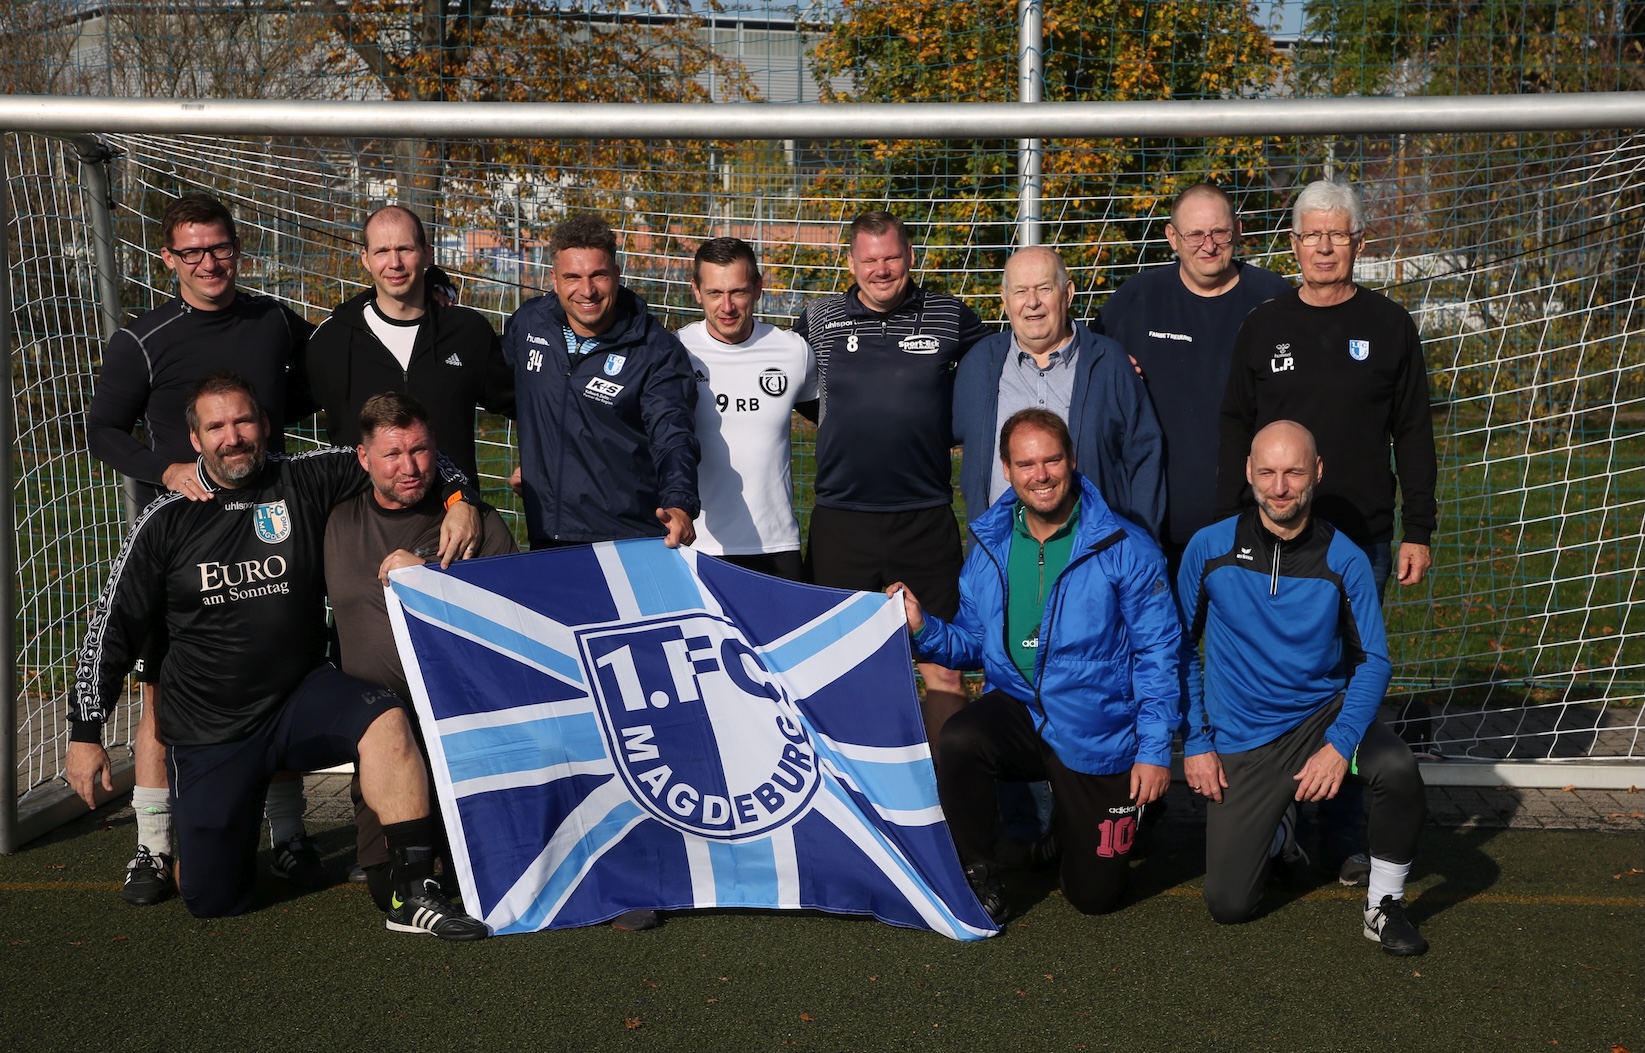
(1285,434)
(1283,468)
(1038,298)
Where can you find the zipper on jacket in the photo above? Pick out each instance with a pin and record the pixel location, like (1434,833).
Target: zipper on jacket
(1273,579)
(1051,612)
(1049,618)
(1040,598)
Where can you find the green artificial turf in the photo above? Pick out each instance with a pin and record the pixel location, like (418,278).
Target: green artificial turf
(1536,947)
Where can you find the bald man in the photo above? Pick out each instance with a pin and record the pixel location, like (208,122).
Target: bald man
(1283,707)
(1049,361)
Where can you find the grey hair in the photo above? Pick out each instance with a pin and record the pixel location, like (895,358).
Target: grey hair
(1322,195)
(1060,268)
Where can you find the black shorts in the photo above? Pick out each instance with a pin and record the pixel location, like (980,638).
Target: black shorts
(777,564)
(867,551)
(217,790)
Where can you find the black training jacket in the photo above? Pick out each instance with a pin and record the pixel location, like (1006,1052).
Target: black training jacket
(238,581)
(456,364)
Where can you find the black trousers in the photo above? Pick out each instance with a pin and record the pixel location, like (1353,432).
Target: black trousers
(1239,830)
(1095,821)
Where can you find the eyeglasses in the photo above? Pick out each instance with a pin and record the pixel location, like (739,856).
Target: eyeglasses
(224,250)
(1338,238)
(1195,238)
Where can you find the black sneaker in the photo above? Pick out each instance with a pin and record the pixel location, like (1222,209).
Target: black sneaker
(298,861)
(1355,871)
(990,892)
(429,911)
(636,920)
(148,878)
(1387,924)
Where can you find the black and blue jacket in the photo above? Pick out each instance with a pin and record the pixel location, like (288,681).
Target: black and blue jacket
(1288,625)
(607,434)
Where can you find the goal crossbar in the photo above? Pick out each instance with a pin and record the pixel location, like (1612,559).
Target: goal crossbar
(703,121)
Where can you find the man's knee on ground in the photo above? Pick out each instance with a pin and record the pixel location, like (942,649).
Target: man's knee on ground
(1228,908)
(215,904)
(1093,901)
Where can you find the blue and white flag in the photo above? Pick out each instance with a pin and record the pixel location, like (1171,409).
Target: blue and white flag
(625,725)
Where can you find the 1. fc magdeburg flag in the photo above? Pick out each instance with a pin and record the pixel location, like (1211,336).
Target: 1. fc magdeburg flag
(626,725)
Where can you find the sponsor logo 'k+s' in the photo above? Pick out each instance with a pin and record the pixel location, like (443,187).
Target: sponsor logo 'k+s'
(704,737)
(601,390)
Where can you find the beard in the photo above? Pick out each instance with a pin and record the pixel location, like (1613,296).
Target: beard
(1286,516)
(235,474)
(399,497)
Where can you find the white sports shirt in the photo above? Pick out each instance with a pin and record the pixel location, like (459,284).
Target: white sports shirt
(746,393)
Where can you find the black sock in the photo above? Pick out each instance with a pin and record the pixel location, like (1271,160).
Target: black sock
(411,846)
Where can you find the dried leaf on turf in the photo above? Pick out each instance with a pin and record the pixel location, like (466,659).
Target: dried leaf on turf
(632,1023)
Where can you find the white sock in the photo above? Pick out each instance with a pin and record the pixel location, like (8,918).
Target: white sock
(1387,879)
(284,808)
(153,807)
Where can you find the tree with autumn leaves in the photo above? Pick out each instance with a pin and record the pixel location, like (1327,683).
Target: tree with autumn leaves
(524,51)
(1095,50)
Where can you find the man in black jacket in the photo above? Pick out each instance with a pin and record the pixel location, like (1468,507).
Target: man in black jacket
(396,337)
(607,404)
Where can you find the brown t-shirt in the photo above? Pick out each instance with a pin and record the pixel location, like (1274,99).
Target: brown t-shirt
(359,535)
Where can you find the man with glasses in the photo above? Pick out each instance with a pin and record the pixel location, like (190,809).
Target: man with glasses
(1178,323)
(149,367)
(1346,363)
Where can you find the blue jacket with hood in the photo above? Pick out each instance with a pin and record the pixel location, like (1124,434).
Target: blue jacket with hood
(1118,443)
(608,434)
(1105,691)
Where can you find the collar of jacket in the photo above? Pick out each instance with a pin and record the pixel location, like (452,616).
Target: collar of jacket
(1253,523)
(353,309)
(629,327)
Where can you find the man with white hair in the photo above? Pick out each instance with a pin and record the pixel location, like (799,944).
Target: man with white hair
(1346,363)
(1049,361)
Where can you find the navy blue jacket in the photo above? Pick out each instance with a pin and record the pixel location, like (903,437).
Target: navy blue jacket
(1118,444)
(1287,625)
(1105,691)
(606,436)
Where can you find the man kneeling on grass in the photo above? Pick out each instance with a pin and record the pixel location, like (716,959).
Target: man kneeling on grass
(238,583)
(1296,663)
(1066,607)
